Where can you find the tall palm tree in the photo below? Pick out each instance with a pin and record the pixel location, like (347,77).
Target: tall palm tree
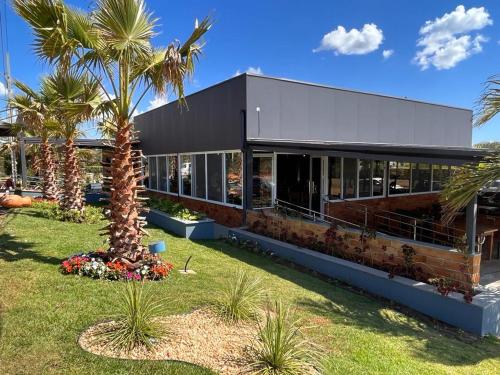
(35,117)
(469,179)
(74,99)
(113,44)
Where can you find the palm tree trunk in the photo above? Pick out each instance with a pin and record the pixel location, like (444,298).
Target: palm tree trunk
(72,197)
(125,228)
(49,184)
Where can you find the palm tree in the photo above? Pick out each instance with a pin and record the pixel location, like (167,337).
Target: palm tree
(469,179)
(35,117)
(113,44)
(74,99)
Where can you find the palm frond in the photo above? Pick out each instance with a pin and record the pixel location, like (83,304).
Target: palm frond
(489,102)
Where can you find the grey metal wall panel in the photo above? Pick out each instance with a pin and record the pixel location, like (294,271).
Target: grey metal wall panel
(297,111)
(211,121)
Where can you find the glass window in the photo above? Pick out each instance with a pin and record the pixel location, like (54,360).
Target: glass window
(420,177)
(365,178)
(334,177)
(400,175)
(162,173)
(153,176)
(440,176)
(145,171)
(350,178)
(262,191)
(173,174)
(199,179)
(234,184)
(214,177)
(186,166)
(378,178)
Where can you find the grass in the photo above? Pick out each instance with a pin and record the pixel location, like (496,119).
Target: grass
(43,311)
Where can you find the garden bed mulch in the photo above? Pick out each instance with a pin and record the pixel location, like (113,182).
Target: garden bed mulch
(200,337)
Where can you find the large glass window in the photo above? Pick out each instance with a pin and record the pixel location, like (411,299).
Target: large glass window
(420,177)
(335,177)
(262,191)
(153,175)
(145,171)
(186,165)
(440,176)
(378,178)
(365,178)
(162,173)
(173,174)
(234,184)
(350,178)
(199,178)
(214,177)
(400,176)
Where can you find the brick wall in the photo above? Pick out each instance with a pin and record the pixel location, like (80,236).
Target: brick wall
(229,216)
(383,252)
(344,209)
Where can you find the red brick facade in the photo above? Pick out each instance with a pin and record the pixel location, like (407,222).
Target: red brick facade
(225,215)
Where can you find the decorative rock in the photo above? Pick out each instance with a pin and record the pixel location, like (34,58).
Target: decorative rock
(15,201)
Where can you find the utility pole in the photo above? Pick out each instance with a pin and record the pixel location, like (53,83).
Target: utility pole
(8,81)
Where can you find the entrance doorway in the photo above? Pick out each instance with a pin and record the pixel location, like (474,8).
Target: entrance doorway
(298,180)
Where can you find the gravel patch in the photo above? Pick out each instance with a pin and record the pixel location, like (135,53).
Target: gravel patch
(200,337)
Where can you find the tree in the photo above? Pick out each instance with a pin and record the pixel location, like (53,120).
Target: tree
(471,178)
(35,117)
(113,44)
(74,99)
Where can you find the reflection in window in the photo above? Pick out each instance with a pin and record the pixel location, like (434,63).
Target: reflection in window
(334,173)
(145,171)
(440,176)
(233,178)
(262,191)
(350,178)
(378,178)
(365,177)
(186,174)
(199,176)
(420,177)
(214,177)
(173,174)
(153,176)
(400,174)
(162,173)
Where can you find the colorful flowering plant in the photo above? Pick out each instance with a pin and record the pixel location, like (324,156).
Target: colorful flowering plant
(96,266)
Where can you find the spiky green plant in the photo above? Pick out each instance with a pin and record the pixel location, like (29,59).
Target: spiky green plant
(136,324)
(280,347)
(241,297)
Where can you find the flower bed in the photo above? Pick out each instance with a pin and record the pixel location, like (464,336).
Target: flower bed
(52,210)
(96,266)
(175,209)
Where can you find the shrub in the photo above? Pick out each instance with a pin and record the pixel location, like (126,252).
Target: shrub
(51,210)
(241,297)
(136,324)
(280,347)
(175,209)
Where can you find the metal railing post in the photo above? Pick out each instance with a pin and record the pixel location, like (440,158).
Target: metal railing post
(366,216)
(415,229)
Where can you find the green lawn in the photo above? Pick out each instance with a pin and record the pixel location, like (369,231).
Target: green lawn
(43,311)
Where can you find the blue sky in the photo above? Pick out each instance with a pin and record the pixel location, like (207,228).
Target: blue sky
(338,43)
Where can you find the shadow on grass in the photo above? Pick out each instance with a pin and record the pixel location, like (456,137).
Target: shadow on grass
(12,250)
(443,344)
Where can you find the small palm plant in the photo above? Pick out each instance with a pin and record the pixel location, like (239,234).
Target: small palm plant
(280,347)
(241,297)
(136,324)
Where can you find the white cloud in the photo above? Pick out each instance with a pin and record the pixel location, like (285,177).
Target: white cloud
(3,89)
(352,42)
(386,53)
(251,70)
(158,101)
(448,40)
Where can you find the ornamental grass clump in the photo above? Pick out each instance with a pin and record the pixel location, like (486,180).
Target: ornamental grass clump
(241,297)
(280,347)
(136,324)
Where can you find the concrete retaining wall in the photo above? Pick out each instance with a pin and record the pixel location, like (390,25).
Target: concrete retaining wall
(480,317)
(194,230)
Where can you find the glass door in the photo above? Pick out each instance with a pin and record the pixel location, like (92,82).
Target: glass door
(315,184)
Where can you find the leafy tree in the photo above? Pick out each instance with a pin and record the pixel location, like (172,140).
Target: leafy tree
(112,43)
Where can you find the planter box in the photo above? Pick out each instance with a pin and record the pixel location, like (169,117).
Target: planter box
(480,317)
(191,229)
